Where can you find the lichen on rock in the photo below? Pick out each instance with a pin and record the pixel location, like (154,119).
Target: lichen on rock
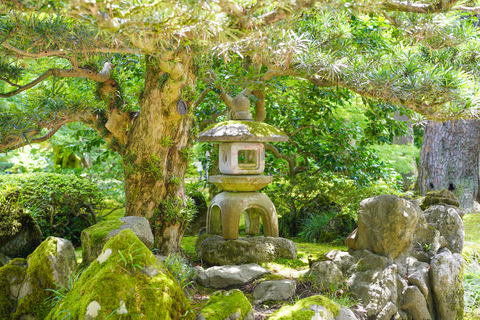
(119,286)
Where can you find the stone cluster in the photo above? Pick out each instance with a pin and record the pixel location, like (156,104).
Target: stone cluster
(402,262)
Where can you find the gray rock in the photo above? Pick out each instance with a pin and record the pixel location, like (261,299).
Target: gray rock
(96,236)
(346,314)
(343,260)
(214,250)
(4,260)
(326,274)
(386,225)
(226,276)
(22,237)
(274,290)
(426,242)
(413,303)
(447,284)
(140,226)
(376,288)
(447,220)
(387,312)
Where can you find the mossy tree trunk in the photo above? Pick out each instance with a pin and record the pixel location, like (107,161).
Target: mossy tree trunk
(449,159)
(156,150)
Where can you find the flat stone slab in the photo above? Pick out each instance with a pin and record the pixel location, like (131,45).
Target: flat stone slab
(241,130)
(274,290)
(226,276)
(240,182)
(214,250)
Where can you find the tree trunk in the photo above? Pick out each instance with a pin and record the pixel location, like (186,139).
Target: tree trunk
(449,159)
(156,152)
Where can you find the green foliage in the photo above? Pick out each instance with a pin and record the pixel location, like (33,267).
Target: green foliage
(181,270)
(130,257)
(175,209)
(62,205)
(402,157)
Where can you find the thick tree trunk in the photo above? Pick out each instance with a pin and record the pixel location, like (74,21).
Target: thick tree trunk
(449,159)
(156,153)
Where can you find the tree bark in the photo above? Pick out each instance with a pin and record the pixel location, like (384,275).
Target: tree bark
(156,152)
(449,159)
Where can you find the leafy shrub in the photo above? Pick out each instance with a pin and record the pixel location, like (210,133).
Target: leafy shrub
(180,269)
(306,206)
(62,205)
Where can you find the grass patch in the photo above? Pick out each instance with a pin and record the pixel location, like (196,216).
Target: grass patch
(314,250)
(472,232)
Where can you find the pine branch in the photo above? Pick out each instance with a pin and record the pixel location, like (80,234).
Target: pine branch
(60,73)
(23,53)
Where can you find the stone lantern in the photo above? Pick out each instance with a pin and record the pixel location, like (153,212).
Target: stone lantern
(241,162)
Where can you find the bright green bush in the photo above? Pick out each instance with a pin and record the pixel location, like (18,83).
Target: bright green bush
(306,206)
(62,205)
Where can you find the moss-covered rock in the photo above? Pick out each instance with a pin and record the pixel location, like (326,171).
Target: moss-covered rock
(126,279)
(216,251)
(227,305)
(49,267)
(307,309)
(20,234)
(439,197)
(11,277)
(96,236)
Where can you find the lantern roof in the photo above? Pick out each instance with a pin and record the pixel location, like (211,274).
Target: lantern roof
(241,130)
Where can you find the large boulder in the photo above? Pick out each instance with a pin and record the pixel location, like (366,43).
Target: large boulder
(126,280)
(226,276)
(227,305)
(214,250)
(274,290)
(398,218)
(30,281)
(447,220)
(446,274)
(95,237)
(20,234)
(314,307)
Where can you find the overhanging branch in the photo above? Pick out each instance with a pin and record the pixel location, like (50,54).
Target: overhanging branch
(60,73)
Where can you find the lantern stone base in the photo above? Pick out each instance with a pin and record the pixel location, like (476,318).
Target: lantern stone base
(240,182)
(216,251)
(223,216)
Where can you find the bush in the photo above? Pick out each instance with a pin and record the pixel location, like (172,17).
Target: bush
(62,205)
(315,206)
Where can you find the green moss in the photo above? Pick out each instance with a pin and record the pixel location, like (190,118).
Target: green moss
(14,272)
(258,129)
(40,276)
(101,230)
(302,311)
(124,276)
(96,235)
(222,304)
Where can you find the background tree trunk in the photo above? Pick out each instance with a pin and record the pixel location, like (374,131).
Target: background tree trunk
(156,154)
(449,159)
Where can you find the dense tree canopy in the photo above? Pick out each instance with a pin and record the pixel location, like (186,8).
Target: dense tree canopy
(123,66)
